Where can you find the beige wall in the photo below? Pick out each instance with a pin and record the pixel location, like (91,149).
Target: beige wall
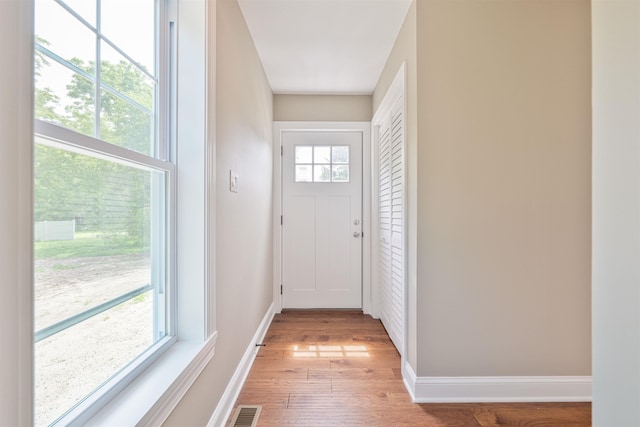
(404,51)
(16,213)
(244,234)
(504,184)
(616,213)
(335,108)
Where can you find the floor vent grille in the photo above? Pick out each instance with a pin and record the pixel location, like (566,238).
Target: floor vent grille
(246,416)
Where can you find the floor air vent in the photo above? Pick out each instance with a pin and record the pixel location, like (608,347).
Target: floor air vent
(246,416)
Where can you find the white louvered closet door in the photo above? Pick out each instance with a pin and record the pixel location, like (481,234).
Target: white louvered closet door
(391,185)
(384,224)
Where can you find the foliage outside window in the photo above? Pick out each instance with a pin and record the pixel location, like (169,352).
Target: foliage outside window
(102,198)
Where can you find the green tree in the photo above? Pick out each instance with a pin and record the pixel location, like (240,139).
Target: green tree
(104,197)
(81,112)
(44,98)
(121,123)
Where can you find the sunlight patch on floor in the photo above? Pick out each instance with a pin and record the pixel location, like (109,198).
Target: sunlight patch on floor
(330,351)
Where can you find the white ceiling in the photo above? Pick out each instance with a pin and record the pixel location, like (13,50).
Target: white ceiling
(324,46)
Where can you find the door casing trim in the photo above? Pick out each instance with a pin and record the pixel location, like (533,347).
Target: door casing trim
(283,126)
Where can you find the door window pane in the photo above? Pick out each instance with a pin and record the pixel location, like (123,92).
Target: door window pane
(304,154)
(322,173)
(340,154)
(303,173)
(321,154)
(340,173)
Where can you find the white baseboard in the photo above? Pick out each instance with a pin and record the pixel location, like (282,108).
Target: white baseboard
(225,406)
(496,389)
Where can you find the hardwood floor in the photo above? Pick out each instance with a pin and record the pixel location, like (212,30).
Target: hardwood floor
(339,368)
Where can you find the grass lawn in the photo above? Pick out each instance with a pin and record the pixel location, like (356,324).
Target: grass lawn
(87,245)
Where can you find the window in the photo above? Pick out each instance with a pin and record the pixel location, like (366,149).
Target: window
(103,199)
(322,163)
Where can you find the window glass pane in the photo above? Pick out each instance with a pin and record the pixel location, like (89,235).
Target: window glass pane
(130,25)
(85,8)
(126,78)
(340,154)
(64,97)
(74,362)
(60,32)
(303,173)
(93,233)
(340,173)
(322,154)
(123,124)
(304,154)
(322,173)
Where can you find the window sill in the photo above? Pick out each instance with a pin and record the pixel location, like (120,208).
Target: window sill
(151,397)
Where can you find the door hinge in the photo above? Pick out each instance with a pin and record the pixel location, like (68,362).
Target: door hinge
(280,289)
(281,150)
(281,220)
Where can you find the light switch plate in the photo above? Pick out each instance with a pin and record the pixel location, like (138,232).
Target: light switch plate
(233,181)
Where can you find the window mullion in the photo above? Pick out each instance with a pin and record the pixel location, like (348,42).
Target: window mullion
(108,88)
(129,58)
(76,15)
(57,58)
(98,69)
(87,314)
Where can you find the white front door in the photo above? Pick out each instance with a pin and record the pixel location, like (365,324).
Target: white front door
(322,219)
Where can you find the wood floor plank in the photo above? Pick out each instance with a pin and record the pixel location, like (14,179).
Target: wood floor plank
(365,363)
(338,352)
(265,371)
(270,353)
(577,415)
(367,386)
(339,368)
(277,385)
(317,418)
(258,397)
(354,373)
(335,401)
(373,334)
(369,339)
(287,340)
(293,363)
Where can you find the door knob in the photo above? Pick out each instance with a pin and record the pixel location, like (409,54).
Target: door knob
(356,234)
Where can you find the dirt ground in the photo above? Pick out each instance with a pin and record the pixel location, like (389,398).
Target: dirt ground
(72,363)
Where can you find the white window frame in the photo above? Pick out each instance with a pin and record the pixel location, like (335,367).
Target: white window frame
(154,388)
(160,160)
